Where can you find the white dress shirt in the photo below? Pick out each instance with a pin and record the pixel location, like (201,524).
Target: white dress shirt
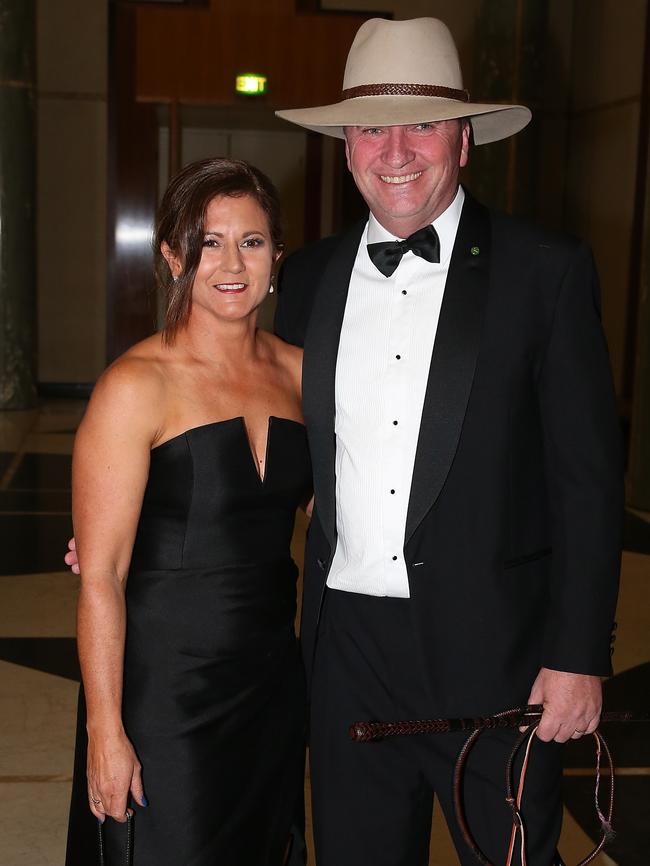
(387,338)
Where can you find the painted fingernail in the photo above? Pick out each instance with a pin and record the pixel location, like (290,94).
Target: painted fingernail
(100,821)
(144,801)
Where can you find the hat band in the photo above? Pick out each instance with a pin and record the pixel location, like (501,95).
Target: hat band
(406,90)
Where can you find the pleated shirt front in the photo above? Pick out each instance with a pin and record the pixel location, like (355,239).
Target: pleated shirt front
(387,340)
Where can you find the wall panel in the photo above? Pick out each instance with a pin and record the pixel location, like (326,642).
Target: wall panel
(193,55)
(606,76)
(71,188)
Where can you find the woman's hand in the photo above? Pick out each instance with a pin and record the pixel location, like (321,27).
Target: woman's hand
(113,771)
(71,559)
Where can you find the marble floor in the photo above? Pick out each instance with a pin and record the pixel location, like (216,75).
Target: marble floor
(39,670)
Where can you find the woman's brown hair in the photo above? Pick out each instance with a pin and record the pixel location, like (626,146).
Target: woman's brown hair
(181,224)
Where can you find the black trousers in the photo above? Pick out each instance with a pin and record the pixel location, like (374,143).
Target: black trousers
(372,802)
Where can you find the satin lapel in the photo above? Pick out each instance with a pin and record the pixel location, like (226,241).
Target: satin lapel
(319,371)
(453,361)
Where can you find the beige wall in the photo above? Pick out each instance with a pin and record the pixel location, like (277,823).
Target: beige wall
(606,76)
(71,219)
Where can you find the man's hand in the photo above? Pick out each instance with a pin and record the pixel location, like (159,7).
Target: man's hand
(572,704)
(71,557)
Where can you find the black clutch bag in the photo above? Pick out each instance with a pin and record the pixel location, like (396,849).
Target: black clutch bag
(116,842)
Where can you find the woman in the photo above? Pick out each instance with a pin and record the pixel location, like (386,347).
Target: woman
(187,470)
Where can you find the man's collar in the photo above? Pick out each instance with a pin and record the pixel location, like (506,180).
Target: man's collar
(446,225)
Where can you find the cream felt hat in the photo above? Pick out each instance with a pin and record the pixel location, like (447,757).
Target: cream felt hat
(406,72)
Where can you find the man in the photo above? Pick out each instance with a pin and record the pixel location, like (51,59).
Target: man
(463,554)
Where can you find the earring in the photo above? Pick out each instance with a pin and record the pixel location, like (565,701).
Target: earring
(175,279)
(271,289)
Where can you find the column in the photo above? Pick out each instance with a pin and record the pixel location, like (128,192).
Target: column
(17,193)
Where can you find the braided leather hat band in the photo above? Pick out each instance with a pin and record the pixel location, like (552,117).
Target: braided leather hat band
(406,90)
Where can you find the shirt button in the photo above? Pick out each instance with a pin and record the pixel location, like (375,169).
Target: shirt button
(394,423)
(399,357)
(394,558)
(392,491)
(403,291)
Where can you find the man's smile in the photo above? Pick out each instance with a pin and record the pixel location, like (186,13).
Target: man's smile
(400,178)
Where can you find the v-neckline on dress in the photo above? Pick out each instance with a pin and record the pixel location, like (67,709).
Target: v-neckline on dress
(261,477)
(254,457)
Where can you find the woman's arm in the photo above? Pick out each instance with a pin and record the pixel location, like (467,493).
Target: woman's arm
(109,474)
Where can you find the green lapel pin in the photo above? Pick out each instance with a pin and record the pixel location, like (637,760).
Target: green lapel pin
(475,251)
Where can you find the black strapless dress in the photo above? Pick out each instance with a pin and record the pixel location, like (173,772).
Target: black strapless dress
(214,700)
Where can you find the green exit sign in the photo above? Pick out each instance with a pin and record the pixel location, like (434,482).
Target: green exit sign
(251,84)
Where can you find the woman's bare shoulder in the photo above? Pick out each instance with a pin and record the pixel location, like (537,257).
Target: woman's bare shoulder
(285,353)
(140,369)
(133,387)
(287,357)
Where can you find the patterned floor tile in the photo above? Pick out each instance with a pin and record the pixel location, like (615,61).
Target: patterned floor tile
(38,712)
(51,655)
(34,823)
(25,501)
(636,535)
(42,471)
(33,544)
(39,605)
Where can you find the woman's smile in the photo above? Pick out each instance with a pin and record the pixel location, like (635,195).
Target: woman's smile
(231,288)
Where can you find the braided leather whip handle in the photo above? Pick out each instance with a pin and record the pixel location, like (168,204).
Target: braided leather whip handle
(367,732)
(527,717)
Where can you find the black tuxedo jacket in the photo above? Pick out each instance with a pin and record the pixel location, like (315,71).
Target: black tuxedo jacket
(514,523)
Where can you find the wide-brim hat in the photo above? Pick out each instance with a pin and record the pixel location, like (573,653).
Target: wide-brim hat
(407,72)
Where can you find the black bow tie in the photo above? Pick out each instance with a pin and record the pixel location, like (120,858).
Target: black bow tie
(387,255)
